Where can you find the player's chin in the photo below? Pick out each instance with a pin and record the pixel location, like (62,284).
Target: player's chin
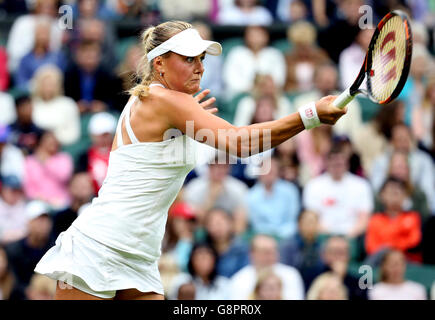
(193,86)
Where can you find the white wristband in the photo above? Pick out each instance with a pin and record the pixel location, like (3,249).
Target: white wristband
(309,115)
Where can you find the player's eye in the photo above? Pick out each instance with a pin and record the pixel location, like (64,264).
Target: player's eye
(190,59)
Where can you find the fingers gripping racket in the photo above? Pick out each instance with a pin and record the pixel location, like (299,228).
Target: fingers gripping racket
(387,62)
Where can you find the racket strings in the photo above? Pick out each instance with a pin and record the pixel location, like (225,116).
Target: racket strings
(388,59)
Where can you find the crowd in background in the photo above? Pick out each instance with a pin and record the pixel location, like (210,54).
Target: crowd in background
(360,193)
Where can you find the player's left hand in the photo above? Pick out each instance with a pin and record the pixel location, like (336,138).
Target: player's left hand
(206,104)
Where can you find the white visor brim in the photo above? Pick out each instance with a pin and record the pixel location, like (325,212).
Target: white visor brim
(187,43)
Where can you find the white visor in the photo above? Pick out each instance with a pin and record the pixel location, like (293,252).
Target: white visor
(187,43)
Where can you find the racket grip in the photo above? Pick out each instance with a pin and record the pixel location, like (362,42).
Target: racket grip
(343,99)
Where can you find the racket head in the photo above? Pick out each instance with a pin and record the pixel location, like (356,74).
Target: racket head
(388,57)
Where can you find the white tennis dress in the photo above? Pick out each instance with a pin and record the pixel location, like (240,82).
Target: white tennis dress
(116,242)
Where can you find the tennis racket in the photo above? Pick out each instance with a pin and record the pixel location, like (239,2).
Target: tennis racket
(387,62)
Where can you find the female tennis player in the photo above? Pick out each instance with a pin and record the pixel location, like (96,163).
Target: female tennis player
(112,249)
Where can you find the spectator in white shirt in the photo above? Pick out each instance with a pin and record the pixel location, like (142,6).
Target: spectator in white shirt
(218,189)
(243,63)
(343,200)
(420,163)
(8,114)
(51,109)
(245,12)
(265,256)
(21,38)
(393,285)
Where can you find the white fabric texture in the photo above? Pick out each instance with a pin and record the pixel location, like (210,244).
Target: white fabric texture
(125,224)
(243,282)
(241,66)
(187,43)
(60,115)
(338,203)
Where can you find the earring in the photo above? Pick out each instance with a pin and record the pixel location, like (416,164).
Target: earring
(161,74)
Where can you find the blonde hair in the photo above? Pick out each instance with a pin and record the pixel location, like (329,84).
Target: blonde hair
(262,277)
(151,38)
(321,282)
(44,72)
(302,32)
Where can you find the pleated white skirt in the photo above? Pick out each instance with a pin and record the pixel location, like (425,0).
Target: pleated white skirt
(97,269)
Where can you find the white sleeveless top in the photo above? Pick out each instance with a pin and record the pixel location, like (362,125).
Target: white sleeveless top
(143,179)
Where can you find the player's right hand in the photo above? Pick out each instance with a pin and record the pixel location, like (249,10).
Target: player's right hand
(327,112)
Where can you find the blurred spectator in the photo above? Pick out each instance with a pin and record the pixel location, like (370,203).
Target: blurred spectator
(212,76)
(268,287)
(11,158)
(291,10)
(424,117)
(243,63)
(89,84)
(13,219)
(232,251)
(343,200)
(290,163)
(95,160)
(352,58)
(336,256)
(394,227)
(4,72)
(264,85)
(51,109)
(303,58)
(421,166)
(339,33)
(40,55)
(24,254)
(128,67)
(181,225)
(40,288)
(327,286)
(326,83)
(302,251)
(415,198)
(186,10)
(8,114)
(422,67)
(218,189)
(202,272)
(312,148)
(6,276)
(92,30)
(245,12)
(186,291)
(392,284)
(84,9)
(371,140)
(273,204)
(264,256)
(81,191)
(352,156)
(24,133)
(48,171)
(21,38)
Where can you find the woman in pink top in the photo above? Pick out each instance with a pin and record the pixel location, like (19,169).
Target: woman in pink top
(47,172)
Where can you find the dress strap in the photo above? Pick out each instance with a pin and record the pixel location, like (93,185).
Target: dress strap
(130,133)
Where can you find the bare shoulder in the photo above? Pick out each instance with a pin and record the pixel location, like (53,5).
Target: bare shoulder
(169,98)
